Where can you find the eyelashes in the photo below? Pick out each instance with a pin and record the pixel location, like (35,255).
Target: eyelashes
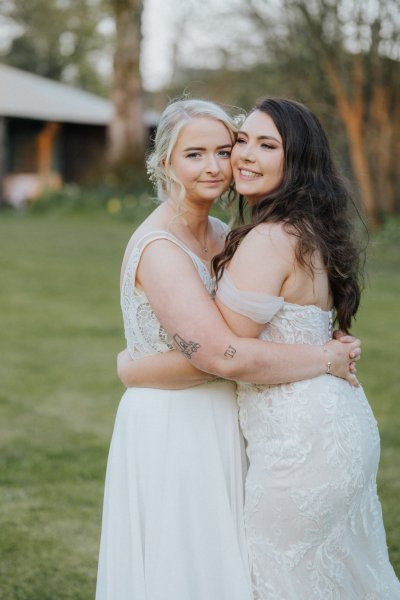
(198,155)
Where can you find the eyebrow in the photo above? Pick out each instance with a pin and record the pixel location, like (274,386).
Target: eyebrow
(218,148)
(262,137)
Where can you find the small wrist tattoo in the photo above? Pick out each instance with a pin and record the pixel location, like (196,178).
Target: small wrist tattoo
(187,348)
(230,352)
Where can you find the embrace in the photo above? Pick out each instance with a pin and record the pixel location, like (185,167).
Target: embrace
(244,455)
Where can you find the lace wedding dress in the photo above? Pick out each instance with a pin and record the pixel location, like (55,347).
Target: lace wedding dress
(173,506)
(313,519)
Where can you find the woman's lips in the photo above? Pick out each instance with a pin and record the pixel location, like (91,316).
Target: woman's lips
(247,174)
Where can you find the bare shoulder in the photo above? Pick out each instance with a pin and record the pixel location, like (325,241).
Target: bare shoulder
(271,238)
(153,223)
(263,260)
(272,232)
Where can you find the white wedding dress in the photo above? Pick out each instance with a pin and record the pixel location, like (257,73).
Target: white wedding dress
(173,526)
(313,518)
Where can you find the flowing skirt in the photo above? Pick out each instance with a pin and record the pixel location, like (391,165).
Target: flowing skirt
(313,518)
(173,524)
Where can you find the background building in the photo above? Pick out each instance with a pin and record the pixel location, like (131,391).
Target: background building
(50,133)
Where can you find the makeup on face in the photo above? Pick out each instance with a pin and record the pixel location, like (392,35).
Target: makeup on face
(257,157)
(201,159)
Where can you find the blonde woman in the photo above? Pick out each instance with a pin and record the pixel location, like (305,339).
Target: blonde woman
(173,506)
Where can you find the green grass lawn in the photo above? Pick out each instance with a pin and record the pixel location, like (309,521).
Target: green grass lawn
(60,330)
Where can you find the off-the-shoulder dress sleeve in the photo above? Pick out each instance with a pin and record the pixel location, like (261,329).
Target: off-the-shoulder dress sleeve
(257,306)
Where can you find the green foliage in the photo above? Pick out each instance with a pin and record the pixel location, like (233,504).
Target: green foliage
(378,325)
(59,40)
(112,197)
(390,231)
(61,328)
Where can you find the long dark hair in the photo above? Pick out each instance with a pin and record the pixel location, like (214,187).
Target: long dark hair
(312,202)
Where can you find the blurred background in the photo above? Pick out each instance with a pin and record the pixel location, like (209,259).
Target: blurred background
(82,85)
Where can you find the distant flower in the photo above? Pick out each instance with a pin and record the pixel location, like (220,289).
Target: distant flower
(114,206)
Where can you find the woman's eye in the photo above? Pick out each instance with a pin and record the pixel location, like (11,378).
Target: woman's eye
(240,141)
(269,146)
(194,155)
(225,153)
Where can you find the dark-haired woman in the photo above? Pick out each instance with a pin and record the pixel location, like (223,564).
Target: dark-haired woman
(313,519)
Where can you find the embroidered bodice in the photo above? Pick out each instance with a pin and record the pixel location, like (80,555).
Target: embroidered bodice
(313,522)
(143,332)
(292,324)
(296,324)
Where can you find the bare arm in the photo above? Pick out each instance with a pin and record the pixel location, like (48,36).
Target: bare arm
(171,370)
(186,311)
(167,371)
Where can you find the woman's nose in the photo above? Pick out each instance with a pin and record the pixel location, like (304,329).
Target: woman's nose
(247,153)
(212,164)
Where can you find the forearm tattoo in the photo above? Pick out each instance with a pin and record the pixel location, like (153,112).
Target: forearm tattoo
(230,352)
(187,348)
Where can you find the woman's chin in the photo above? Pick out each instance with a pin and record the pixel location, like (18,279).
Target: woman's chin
(251,199)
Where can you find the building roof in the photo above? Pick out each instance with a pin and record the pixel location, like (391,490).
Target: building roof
(30,96)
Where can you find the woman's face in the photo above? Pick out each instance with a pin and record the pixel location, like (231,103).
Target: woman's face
(257,157)
(201,159)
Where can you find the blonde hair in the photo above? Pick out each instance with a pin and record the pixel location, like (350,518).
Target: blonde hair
(174,118)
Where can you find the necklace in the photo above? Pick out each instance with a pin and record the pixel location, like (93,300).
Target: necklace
(203,245)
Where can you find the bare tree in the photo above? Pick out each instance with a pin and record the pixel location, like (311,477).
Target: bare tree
(126,131)
(352,47)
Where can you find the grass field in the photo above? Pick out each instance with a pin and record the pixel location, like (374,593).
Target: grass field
(60,329)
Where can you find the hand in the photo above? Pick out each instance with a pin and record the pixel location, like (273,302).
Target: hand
(123,360)
(345,338)
(342,357)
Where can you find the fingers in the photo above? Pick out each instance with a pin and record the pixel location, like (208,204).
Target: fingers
(356,343)
(355,350)
(355,353)
(347,339)
(338,334)
(352,379)
(343,337)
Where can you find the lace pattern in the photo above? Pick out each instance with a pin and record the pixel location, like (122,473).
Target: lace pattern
(143,332)
(313,519)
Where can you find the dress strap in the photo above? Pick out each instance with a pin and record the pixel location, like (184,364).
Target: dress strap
(257,306)
(137,250)
(160,235)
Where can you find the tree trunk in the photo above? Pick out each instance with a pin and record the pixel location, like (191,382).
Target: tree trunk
(352,113)
(382,142)
(3,155)
(126,130)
